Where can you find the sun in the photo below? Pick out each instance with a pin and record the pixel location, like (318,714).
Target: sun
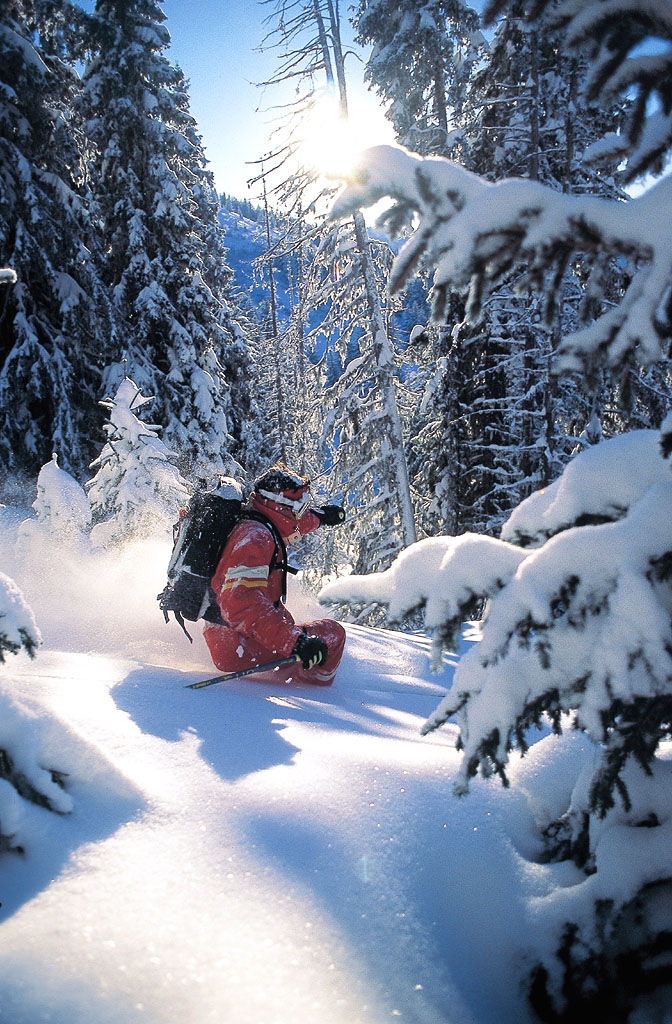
(331,144)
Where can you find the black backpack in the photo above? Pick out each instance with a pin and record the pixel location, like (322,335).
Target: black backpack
(199,539)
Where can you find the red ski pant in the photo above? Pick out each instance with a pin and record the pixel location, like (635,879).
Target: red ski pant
(232,652)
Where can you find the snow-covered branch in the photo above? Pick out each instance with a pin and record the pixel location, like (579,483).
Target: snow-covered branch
(18,629)
(598,487)
(473,233)
(448,577)
(579,624)
(629,48)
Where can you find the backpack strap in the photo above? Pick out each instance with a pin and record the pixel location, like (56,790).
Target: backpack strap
(280,547)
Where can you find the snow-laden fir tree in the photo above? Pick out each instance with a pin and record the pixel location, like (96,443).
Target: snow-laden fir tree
(360,393)
(62,517)
(261,293)
(137,491)
(494,423)
(421,62)
(18,628)
(230,336)
(577,593)
(577,635)
(23,775)
(467,441)
(531,120)
(156,206)
(55,320)
(275,335)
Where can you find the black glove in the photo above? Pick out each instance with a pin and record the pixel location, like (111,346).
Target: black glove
(311,650)
(330,515)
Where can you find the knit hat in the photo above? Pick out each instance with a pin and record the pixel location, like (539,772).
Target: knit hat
(288,490)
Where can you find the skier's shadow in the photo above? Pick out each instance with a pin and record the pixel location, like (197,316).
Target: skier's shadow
(235,723)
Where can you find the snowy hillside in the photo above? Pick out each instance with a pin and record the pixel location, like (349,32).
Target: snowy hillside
(246,243)
(248,854)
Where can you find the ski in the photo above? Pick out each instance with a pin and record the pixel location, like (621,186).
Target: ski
(227,676)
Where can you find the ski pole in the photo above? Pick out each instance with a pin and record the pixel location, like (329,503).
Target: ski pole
(244,672)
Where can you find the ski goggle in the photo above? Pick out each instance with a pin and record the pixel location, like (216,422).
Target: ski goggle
(297,506)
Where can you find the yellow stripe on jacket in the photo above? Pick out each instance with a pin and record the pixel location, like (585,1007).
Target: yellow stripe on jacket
(246,576)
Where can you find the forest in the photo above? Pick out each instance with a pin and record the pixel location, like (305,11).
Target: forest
(482,378)
(110,220)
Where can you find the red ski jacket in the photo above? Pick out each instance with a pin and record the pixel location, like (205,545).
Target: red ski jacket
(250,579)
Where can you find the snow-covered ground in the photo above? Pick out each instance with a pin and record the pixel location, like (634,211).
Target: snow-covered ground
(249,854)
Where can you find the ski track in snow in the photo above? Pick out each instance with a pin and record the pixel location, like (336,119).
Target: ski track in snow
(253,855)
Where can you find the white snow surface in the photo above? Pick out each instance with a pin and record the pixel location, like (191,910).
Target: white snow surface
(250,853)
(260,854)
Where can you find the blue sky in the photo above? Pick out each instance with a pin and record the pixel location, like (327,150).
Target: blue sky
(215,44)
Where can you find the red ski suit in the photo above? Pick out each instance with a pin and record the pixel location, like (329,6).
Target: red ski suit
(248,586)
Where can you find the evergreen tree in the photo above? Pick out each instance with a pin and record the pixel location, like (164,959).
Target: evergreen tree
(580,624)
(62,515)
(18,629)
(531,123)
(362,401)
(56,318)
(577,634)
(136,491)
(156,206)
(420,65)
(261,294)
(277,348)
(509,426)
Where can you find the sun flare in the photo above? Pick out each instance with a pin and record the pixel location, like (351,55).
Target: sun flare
(331,143)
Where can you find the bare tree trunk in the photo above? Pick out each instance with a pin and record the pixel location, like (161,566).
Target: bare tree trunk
(534,108)
(385,381)
(318,21)
(382,347)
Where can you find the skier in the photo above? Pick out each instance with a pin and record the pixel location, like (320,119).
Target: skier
(250,582)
